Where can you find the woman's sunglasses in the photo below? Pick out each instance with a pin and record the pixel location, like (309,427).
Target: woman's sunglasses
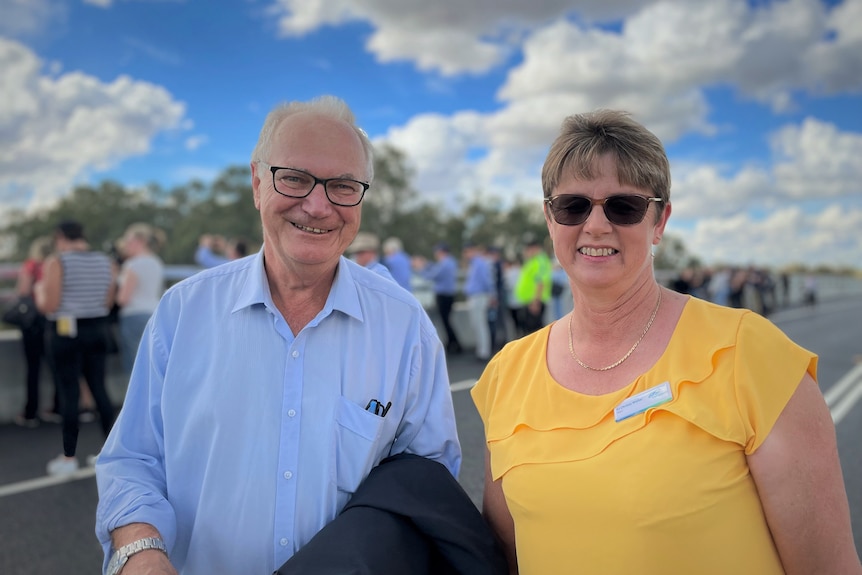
(621,210)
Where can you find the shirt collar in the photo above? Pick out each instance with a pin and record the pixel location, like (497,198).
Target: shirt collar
(343,295)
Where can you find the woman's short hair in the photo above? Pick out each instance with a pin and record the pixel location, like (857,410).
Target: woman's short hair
(584,138)
(326,106)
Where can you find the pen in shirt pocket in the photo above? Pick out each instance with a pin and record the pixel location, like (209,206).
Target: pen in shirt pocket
(377,408)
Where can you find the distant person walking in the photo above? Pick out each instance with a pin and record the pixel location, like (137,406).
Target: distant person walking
(479,289)
(76,294)
(398,262)
(141,284)
(443,273)
(33,335)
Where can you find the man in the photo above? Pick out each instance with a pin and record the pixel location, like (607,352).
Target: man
(533,290)
(364,250)
(479,289)
(398,262)
(443,274)
(266,389)
(215,250)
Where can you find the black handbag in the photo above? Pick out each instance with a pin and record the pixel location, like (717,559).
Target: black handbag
(22,312)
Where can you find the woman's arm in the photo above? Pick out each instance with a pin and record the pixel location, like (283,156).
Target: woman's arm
(497,515)
(127,287)
(798,477)
(25,281)
(49,290)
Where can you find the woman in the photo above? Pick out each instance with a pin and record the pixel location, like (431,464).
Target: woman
(75,294)
(33,336)
(141,283)
(648,431)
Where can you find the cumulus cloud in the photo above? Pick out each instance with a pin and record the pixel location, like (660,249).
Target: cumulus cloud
(29,17)
(54,129)
(818,160)
(786,236)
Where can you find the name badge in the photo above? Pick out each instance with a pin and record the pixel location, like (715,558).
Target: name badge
(644,400)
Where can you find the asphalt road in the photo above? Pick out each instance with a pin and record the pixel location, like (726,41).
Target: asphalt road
(47,526)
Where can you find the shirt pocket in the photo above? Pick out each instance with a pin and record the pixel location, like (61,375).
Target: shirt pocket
(357,436)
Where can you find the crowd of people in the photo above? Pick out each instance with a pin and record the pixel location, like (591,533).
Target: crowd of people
(290,410)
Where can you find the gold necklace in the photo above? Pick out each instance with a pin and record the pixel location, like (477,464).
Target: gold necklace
(626,356)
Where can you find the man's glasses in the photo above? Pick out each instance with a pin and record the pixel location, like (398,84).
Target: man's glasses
(621,210)
(298,184)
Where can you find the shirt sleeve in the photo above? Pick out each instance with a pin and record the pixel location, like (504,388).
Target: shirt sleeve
(768,368)
(130,472)
(428,427)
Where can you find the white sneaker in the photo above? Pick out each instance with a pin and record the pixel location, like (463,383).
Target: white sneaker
(91,460)
(62,465)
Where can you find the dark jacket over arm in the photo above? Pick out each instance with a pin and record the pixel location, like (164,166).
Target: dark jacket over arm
(409,516)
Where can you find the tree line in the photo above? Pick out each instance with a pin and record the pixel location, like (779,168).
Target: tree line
(392,207)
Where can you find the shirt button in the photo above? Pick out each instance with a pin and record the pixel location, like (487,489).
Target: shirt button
(283,542)
(295,354)
(291,412)
(288,474)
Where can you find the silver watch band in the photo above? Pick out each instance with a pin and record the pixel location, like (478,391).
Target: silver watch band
(121,555)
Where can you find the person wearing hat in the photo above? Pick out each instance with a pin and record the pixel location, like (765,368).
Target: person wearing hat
(365,250)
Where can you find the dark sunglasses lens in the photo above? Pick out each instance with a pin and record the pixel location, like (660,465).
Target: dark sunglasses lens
(626,210)
(571,210)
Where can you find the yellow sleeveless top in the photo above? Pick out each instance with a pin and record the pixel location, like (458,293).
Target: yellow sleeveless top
(667,491)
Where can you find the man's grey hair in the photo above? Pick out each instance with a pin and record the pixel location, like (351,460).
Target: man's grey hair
(326,106)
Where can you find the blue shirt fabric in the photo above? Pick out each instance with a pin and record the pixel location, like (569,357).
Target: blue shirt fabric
(443,274)
(239,441)
(479,279)
(400,268)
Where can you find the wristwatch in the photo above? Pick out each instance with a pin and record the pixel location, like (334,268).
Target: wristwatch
(121,555)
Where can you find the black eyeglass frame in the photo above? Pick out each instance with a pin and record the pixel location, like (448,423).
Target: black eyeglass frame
(320,181)
(554,210)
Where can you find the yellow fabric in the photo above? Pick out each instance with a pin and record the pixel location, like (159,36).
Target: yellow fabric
(667,491)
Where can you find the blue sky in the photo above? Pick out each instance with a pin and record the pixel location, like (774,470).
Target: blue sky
(759,103)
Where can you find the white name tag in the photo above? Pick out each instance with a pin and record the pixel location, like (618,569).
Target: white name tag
(643,401)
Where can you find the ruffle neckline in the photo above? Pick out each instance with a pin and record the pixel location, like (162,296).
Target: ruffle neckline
(583,425)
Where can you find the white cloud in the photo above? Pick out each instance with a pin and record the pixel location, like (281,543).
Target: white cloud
(195,142)
(53,130)
(29,17)
(830,236)
(816,160)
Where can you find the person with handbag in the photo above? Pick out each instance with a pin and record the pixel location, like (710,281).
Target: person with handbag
(75,294)
(32,325)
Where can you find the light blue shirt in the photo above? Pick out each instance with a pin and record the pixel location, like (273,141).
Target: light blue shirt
(479,280)
(239,441)
(443,274)
(399,265)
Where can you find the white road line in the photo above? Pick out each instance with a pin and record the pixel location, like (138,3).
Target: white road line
(837,390)
(842,396)
(462,385)
(47,481)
